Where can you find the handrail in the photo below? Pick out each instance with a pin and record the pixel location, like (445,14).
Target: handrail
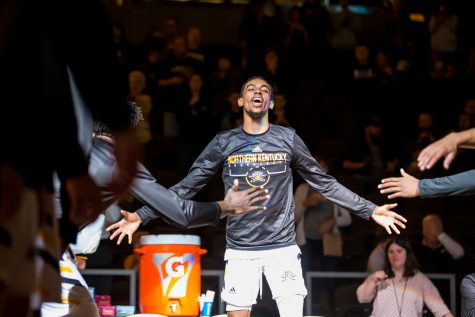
(308,281)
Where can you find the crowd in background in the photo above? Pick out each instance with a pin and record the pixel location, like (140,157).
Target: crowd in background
(368,108)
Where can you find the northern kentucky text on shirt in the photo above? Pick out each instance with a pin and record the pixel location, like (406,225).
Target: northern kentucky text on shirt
(257,158)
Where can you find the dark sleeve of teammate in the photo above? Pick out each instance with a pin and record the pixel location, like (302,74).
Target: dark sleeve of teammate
(159,201)
(201,172)
(164,203)
(328,186)
(453,185)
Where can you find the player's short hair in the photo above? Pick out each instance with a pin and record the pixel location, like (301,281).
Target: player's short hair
(261,78)
(136,116)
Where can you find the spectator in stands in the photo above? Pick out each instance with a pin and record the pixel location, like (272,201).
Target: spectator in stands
(469,73)
(384,70)
(193,41)
(223,78)
(153,67)
(363,68)
(443,29)
(345,25)
(317,23)
(423,136)
(364,85)
(273,71)
(437,250)
(173,82)
(320,217)
(232,116)
(197,124)
(296,42)
(262,26)
(321,243)
(426,129)
(376,257)
(437,240)
(137,94)
(279,115)
(401,289)
(122,51)
(396,31)
(171,32)
(366,160)
(469,110)
(463,122)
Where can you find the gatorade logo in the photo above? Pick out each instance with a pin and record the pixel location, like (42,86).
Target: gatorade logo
(174,267)
(174,272)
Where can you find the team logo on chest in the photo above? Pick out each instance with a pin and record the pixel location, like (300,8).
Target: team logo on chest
(257,176)
(256,167)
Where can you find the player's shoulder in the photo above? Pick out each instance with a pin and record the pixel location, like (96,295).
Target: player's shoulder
(284,133)
(225,137)
(282,129)
(228,133)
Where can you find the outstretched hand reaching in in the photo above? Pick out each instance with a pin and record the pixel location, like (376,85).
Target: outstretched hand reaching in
(388,219)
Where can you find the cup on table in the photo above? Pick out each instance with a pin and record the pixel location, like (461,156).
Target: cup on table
(207,308)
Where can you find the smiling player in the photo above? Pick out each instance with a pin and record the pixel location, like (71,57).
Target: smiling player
(259,153)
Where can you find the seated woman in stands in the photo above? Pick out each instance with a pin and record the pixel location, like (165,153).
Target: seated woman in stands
(401,289)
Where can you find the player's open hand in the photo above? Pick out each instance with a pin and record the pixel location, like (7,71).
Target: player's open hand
(239,202)
(445,147)
(388,219)
(405,186)
(125,227)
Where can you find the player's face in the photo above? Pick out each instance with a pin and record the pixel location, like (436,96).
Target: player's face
(256,98)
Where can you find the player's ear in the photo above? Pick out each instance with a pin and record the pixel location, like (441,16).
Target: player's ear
(271,105)
(240,102)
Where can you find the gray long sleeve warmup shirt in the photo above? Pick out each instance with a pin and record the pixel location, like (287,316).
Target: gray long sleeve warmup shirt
(266,160)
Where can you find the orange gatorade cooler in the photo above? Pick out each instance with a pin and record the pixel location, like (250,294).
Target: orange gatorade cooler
(170,274)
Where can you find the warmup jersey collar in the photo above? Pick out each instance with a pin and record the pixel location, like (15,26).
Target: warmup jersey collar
(255,135)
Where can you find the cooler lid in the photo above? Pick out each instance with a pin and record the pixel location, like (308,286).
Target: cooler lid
(170,239)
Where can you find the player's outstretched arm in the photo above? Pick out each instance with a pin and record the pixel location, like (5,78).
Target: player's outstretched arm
(388,219)
(406,186)
(239,202)
(236,202)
